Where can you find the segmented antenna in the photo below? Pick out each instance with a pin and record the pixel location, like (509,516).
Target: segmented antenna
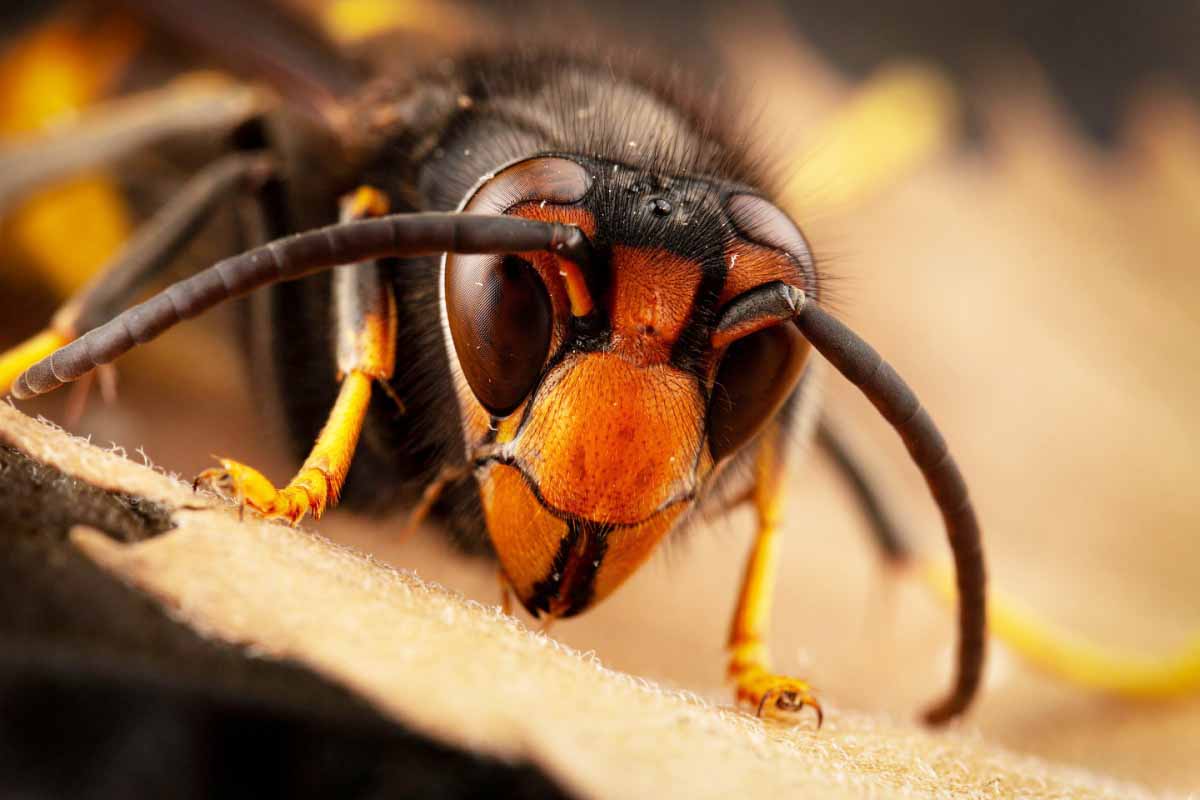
(397,236)
(862,365)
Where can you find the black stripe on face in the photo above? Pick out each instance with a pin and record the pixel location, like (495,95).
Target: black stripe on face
(572,578)
(689,349)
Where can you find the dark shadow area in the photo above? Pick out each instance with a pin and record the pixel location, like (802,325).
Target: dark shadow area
(103,695)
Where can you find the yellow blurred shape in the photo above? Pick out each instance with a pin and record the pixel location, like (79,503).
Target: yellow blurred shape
(60,68)
(897,120)
(350,20)
(15,361)
(1062,653)
(69,231)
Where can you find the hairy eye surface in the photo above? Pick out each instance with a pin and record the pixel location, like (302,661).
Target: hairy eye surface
(756,374)
(500,321)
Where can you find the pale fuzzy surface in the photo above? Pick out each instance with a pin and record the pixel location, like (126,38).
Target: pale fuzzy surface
(465,673)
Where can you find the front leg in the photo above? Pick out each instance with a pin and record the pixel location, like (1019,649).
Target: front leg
(366,341)
(749,660)
(319,481)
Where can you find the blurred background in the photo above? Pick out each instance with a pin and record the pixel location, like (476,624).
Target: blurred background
(1007,198)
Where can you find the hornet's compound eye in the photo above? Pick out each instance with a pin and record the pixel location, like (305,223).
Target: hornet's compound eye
(501,321)
(764,354)
(762,222)
(501,317)
(755,376)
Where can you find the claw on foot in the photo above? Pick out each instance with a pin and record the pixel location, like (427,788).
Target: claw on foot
(308,493)
(776,695)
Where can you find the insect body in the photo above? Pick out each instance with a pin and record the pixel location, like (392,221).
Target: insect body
(555,308)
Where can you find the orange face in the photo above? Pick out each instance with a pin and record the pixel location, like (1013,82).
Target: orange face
(586,391)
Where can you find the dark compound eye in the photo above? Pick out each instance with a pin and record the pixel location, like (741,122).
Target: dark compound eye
(500,321)
(762,222)
(756,374)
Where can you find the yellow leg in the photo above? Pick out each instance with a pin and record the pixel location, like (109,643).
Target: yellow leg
(366,354)
(319,481)
(430,496)
(20,358)
(53,72)
(749,662)
(505,594)
(1066,655)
